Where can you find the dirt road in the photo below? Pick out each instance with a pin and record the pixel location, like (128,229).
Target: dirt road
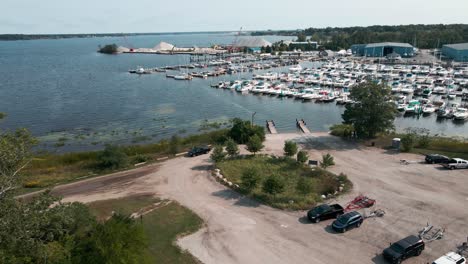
(239,230)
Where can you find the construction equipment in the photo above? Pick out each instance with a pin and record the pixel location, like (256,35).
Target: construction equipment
(360,202)
(430,233)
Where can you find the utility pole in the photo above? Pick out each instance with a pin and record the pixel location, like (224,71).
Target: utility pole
(253,114)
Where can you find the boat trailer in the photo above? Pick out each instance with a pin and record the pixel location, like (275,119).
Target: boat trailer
(430,233)
(360,202)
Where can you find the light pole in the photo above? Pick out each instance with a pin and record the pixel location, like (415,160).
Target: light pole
(253,114)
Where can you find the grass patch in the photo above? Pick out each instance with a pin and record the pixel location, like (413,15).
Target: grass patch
(291,174)
(46,170)
(451,147)
(162,226)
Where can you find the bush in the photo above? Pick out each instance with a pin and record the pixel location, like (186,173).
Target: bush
(242,131)
(304,186)
(302,157)
(290,148)
(174,145)
(342,130)
(274,185)
(407,142)
(141,158)
(327,161)
(250,179)
(112,157)
(254,144)
(109,49)
(218,154)
(232,148)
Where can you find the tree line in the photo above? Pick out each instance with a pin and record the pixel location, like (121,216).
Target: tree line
(421,36)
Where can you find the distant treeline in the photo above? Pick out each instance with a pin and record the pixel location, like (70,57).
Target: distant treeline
(422,36)
(90,35)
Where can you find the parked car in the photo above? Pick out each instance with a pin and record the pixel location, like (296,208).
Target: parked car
(347,221)
(325,211)
(456,164)
(403,249)
(436,159)
(450,258)
(198,151)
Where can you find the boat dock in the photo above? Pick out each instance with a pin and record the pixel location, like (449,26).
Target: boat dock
(301,124)
(271,126)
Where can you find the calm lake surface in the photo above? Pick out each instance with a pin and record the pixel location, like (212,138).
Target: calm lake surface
(74,98)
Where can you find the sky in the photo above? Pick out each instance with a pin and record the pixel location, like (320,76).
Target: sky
(117,16)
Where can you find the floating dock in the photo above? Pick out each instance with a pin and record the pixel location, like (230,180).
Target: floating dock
(301,124)
(271,126)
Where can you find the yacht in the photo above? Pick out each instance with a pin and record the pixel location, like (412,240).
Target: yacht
(428,109)
(461,114)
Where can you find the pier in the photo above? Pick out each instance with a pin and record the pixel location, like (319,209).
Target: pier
(271,126)
(301,124)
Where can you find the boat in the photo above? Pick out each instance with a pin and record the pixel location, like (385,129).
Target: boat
(413,107)
(296,68)
(461,114)
(428,109)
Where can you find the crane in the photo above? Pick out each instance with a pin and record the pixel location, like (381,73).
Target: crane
(234,42)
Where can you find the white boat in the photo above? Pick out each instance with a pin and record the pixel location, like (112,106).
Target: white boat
(414,106)
(182,77)
(461,114)
(428,109)
(140,70)
(296,68)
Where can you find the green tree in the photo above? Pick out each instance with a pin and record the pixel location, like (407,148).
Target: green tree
(241,131)
(174,145)
(250,179)
(373,112)
(290,148)
(301,37)
(118,240)
(2,115)
(304,186)
(109,49)
(342,130)
(15,155)
(112,157)
(327,161)
(255,144)
(302,157)
(408,141)
(274,185)
(218,154)
(232,148)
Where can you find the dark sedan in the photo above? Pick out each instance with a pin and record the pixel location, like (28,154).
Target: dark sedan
(347,221)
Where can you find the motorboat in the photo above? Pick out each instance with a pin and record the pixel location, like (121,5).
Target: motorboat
(461,114)
(413,107)
(428,109)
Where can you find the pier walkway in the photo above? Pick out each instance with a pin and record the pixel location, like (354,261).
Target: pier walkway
(301,124)
(271,126)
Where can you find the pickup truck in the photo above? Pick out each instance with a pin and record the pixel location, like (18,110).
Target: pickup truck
(456,164)
(403,249)
(450,258)
(325,211)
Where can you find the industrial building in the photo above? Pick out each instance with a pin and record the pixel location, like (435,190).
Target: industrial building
(457,52)
(383,49)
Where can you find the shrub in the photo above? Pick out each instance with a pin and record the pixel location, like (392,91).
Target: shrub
(407,142)
(290,148)
(112,157)
(327,161)
(304,186)
(109,49)
(274,185)
(250,179)
(302,157)
(174,145)
(141,158)
(255,144)
(342,130)
(218,154)
(232,148)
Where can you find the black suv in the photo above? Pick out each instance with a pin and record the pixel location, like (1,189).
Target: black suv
(403,249)
(198,151)
(436,158)
(347,221)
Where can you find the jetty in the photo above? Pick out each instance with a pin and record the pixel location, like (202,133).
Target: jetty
(271,127)
(301,124)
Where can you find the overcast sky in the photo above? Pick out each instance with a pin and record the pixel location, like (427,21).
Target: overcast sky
(103,16)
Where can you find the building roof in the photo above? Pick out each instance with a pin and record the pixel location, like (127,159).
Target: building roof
(459,46)
(252,42)
(396,44)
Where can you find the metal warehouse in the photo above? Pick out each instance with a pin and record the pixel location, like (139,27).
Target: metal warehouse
(457,52)
(383,49)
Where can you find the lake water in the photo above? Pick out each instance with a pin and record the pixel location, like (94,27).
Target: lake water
(66,92)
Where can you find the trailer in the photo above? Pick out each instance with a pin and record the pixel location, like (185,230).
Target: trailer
(430,233)
(359,202)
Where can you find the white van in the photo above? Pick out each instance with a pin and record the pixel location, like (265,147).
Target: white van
(450,258)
